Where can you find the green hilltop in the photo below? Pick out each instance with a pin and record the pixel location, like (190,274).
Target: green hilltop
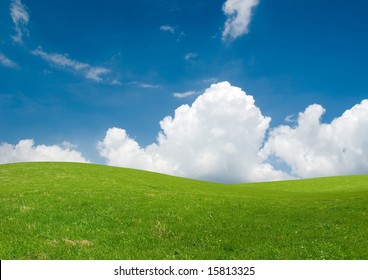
(86,211)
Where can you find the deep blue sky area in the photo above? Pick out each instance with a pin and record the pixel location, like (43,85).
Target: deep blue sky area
(295,54)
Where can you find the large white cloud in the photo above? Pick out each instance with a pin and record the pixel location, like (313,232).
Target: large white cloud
(26,151)
(239,13)
(312,148)
(217,138)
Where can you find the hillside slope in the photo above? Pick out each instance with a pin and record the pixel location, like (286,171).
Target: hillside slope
(85,211)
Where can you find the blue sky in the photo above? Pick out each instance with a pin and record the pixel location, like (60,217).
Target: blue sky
(70,70)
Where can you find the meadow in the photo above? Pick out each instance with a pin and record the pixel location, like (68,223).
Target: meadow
(87,211)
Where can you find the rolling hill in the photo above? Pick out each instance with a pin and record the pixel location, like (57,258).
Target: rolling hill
(86,211)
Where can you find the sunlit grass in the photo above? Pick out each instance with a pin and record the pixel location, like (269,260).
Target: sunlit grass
(85,211)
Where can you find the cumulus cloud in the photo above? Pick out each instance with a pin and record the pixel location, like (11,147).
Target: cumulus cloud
(217,138)
(313,149)
(238,13)
(20,17)
(26,151)
(222,137)
(6,62)
(60,60)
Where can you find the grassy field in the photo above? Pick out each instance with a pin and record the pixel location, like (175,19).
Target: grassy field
(85,211)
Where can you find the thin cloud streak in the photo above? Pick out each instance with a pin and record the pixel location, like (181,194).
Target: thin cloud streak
(185,94)
(60,60)
(6,62)
(144,85)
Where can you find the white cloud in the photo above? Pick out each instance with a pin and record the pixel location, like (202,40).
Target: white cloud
(148,86)
(221,137)
(94,73)
(6,62)
(60,60)
(145,85)
(211,80)
(119,149)
(184,94)
(20,17)
(313,149)
(26,151)
(171,29)
(239,13)
(116,82)
(190,56)
(168,28)
(290,119)
(217,138)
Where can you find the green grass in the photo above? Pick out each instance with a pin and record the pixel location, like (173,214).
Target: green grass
(85,211)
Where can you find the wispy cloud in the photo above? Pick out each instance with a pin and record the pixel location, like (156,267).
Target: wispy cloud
(211,80)
(116,82)
(239,13)
(20,17)
(6,62)
(60,60)
(190,56)
(145,85)
(290,119)
(167,28)
(185,94)
(173,30)
(94,73)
